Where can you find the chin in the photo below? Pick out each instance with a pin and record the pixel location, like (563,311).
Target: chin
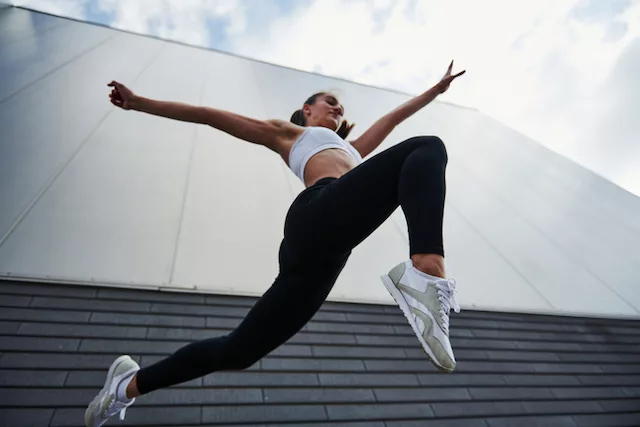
(334,124)
(331,125)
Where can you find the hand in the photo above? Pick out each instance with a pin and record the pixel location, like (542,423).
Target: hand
(121,96)
(345,129)
(446,80)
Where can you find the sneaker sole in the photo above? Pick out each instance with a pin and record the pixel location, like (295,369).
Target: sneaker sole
(88,414)
(406,310)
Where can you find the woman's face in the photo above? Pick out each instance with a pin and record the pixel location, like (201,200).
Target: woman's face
(326,112)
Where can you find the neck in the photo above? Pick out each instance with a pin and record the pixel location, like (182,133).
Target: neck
(319,125)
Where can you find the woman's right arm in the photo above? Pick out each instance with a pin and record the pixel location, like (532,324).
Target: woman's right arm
(263,132)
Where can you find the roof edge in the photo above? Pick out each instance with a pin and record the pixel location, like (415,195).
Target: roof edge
(234,55)
(194,289)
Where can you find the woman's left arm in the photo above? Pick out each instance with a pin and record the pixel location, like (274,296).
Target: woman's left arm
(373,137)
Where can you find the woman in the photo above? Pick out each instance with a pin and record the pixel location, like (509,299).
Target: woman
(343,203)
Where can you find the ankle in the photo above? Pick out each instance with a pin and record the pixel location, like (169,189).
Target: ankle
(431,264)
(132,388)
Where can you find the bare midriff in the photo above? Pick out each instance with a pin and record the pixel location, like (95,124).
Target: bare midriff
(331,163)
(328,163)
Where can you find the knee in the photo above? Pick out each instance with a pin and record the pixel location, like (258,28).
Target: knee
(432,145)
(239,357)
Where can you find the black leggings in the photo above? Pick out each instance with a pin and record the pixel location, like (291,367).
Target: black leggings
(323,225)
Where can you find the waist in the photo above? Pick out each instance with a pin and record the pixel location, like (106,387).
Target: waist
(323,182)
(328,163)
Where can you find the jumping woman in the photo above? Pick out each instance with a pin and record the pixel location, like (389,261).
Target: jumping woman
(344,201)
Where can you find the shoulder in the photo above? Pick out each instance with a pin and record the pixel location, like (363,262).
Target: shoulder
(283,124)
(287,132)
(286,128)
(278,122)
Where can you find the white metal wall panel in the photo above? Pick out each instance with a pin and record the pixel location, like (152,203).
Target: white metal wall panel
(113,214)
(566,185)
(93,193)
(604,259)
(28,59)
(237,194)
(486,278)
(16,24)
(525,226)
(47,123)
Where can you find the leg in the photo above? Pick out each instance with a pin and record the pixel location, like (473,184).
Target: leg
(283,310)
(346,211)
(410,174)
(293,299)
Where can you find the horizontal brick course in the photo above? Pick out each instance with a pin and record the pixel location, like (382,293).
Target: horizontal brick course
(353,368)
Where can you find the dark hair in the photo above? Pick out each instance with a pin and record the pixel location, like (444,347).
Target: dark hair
(298,117)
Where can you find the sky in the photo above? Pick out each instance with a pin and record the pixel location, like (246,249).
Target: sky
(562,72)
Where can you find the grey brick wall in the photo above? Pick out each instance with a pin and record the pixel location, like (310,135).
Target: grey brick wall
(353,365)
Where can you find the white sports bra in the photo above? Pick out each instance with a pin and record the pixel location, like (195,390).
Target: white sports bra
(314,140)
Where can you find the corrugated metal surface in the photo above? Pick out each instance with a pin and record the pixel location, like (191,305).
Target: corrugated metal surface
(352,365)
(96,195)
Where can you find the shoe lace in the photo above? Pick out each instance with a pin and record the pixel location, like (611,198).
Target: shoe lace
(447,297)
(115,407)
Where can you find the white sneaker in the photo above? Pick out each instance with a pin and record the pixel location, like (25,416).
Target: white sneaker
(426,302)
(106,404)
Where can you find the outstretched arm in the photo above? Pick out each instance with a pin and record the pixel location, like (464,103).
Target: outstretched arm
(262,132)
(373,137)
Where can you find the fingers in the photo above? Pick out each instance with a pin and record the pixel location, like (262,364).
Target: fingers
(116,85)
(115,95)
(460,73)
(116,99)
(345,126)
(119,103)
(450,67)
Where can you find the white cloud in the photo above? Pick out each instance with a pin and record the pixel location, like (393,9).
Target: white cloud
(181,20)
(418,40)
(187,21)
(538,67)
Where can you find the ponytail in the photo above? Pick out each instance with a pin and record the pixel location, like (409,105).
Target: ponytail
(298,118)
